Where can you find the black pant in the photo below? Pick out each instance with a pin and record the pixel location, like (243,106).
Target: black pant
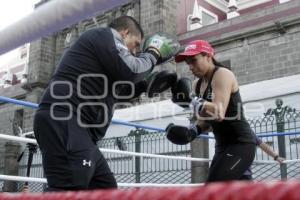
(71,160)
(231,163)
(246,178)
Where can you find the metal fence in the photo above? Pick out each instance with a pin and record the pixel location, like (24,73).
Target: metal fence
(130,169)
(278,120)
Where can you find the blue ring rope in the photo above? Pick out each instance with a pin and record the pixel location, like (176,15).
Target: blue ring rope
(35,106)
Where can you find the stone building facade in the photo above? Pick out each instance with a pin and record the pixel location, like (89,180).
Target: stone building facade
(45,53)
(259,45)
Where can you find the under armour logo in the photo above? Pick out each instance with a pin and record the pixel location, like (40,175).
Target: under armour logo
(87,163)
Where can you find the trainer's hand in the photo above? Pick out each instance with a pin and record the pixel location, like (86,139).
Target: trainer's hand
(181,135)
(162,45)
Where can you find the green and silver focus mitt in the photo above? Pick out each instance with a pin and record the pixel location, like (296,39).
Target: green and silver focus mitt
(163,45)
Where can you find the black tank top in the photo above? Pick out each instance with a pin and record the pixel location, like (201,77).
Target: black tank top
(234,128)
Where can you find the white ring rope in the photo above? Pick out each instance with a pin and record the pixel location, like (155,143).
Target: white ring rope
(18,139)
(22,179)
(158,185)
(43,180)
(50,17)
(273,161)
(155,155)
(33,141)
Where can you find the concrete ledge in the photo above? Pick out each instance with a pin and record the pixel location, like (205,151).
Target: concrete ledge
(248,24)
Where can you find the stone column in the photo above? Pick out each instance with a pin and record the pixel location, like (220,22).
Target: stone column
(41,62)
(199,149)
(11,165)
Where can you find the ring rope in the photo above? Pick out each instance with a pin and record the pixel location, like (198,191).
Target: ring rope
(43,180)
(238,190)
(120,122)
(35,106)
(186,158)
(18,139)
(155,155)
(21,33)
(33,141)
(51,17)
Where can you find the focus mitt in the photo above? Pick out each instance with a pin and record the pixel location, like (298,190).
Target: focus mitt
(163,45)
(181,92)
(160,82)
(127,92)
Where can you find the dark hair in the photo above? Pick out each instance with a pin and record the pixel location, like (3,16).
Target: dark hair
(215,62)
(220,64)
(127,22)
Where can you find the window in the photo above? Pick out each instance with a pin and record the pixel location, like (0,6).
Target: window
(18,122)
(208,17)
(68,39)
(200,17)
(100,21)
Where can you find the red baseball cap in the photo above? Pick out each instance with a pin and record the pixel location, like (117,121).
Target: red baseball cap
(193,48)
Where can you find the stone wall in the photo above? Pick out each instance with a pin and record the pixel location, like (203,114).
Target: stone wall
(259,46)
(256,47)
(45,53)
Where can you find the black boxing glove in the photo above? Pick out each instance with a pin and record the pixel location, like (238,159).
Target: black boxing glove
(159,82)
(128,92)
(181,92)
(182,135)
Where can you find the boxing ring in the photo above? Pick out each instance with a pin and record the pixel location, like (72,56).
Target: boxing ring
(186,191)
(67,12)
